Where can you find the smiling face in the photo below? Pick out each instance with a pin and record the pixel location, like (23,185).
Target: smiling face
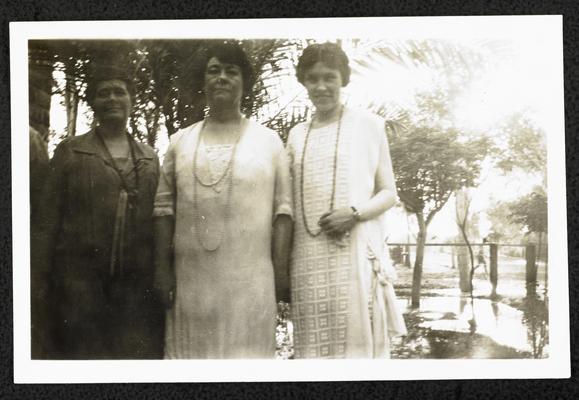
(223,83)
(112,101)
(323,85)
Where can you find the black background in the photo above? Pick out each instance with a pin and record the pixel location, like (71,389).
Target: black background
(54,10)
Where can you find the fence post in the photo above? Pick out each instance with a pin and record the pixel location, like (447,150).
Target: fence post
(494,273)
(531,269)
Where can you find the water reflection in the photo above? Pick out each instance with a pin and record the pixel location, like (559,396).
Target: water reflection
(536,318)
(524,328)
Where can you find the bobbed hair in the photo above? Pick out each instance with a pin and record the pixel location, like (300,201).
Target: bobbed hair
(330,54)
(226,51)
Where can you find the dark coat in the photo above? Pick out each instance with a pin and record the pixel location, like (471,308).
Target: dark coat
(90,313)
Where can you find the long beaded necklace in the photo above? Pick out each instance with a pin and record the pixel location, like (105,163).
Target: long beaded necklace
(335,167)
(229,170)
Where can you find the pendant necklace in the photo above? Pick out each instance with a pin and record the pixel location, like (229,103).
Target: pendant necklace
(229,171)
(335,167)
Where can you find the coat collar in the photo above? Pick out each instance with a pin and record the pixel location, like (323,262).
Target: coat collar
(89,143)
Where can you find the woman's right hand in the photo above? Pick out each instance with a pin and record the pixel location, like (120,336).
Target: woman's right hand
(165,286)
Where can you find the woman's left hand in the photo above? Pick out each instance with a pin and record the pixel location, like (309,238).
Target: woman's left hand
(337,222)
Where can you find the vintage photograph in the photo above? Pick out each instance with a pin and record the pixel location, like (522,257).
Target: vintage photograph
(366,194)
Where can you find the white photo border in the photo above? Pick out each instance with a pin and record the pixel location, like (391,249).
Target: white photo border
(544,31)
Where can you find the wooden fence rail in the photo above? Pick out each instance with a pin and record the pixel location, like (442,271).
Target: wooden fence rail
(530,256)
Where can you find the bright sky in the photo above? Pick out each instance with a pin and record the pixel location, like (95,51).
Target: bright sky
(513,84)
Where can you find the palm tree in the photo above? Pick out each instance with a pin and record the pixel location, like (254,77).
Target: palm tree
(162,71)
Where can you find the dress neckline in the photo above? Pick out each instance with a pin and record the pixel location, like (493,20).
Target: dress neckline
(330,125)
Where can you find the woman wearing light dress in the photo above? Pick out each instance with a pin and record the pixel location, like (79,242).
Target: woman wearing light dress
(343,304)
(223,222)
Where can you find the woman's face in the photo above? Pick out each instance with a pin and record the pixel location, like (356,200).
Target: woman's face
(223,83)
(323,85)
(112,102)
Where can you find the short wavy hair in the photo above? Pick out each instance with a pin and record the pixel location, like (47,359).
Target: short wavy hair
(226,51)
(330,54)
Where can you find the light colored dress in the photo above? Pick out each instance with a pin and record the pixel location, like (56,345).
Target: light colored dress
(225,299)
(343,303)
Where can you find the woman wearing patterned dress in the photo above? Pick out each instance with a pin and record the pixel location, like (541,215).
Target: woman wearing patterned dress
(223,215)
(343,304)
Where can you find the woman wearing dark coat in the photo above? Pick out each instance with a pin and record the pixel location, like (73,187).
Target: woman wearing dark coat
(95,248)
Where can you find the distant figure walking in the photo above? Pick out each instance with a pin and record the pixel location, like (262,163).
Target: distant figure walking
(480,260)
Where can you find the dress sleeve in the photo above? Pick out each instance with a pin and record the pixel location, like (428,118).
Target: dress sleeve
(166,195)
(384,178)
(290,147)
(283,202)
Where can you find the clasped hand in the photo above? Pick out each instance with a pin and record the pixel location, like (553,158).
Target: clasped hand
(338,222)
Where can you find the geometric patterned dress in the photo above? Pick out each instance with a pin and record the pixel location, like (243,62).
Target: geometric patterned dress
(343,301)
(321,272)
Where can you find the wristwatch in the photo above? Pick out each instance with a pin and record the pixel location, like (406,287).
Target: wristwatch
(357,215)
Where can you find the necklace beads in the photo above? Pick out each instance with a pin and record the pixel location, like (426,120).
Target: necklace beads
(334,173)
(229,171)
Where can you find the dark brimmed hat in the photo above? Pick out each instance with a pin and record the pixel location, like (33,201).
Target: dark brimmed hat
(106,72)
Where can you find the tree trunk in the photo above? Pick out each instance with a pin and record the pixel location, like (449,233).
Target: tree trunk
(190,108)
(71,100)
(153,128)
(531,269)
(463,270)
(417,273)
(494,272)
(71,97)
(169,121)
(462,227)
(546,262)
(133,123)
